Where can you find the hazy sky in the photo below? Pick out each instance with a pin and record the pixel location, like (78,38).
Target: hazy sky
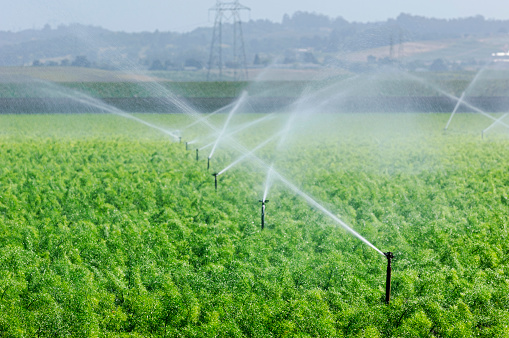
(185,15)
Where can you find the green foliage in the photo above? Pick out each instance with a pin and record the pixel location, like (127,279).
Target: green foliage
(109,230)
(490,84)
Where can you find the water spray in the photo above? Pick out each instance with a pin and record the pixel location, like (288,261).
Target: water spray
(96,103)
(263,212)
(389,256)
(206,117)
(465,103)
(232,112)
(215,180)
(241,128)
(293,187)
(493,125)
(311,201)
(250,153)
(458,103)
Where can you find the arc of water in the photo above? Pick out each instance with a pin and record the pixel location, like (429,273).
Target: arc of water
(474,80)
(208,116)
(484,113)
(318,206)
(119,112)
(299,107)
(246,155)
(241,128)
(494,123)
(455,109)
(465,103)
(235,108)
(249,124)
(92,102)
(282,140)
(268,183)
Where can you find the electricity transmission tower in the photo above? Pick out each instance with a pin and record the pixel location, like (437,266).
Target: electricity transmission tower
(228,11)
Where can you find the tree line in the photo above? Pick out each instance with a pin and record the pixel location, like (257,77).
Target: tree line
(315,33)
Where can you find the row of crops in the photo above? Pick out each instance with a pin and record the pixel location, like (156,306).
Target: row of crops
(109,229)
(491,83)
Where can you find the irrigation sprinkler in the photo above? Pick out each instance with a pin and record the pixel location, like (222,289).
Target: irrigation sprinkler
(186,145)
(499,120)
(215,180)
(466,104)
(263,212)
(389,256)
(208,163)
(458,103)
(197,158)
(180,139)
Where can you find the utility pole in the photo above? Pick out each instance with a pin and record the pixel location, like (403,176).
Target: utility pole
(228,11)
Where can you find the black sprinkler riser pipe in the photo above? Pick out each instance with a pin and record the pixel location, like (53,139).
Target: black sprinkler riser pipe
(215,180)
(389,256)
(208,163)
(197,155)
(263,212)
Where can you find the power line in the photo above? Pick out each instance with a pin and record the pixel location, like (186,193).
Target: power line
(228,11)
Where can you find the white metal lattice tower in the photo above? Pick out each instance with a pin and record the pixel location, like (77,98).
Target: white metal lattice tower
(227,12)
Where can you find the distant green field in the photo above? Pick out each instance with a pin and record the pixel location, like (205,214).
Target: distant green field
(110,228)
(102,84)
(150,89)
(378,87)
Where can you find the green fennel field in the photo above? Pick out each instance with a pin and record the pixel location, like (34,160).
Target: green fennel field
(108,228)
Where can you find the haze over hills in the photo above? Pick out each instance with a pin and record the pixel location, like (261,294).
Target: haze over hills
(302,40)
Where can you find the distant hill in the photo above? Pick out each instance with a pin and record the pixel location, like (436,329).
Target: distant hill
(303,40)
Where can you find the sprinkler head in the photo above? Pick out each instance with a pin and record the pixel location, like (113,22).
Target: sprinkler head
(263,212)
(389,255)
(215,180)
